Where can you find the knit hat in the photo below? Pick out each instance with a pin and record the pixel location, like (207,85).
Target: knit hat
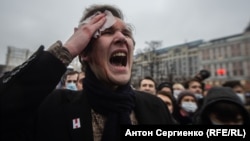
(165,84)
(185,93)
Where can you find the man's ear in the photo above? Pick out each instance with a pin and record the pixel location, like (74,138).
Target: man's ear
(75,29)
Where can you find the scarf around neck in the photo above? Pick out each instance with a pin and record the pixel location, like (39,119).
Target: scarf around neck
(116,105)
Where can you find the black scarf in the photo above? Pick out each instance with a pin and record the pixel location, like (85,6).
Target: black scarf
(115,105)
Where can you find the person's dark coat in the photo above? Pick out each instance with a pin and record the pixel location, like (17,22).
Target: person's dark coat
(29,111)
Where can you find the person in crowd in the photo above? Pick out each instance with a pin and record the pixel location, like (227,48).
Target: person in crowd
(61,83)
(32,109)
(237,88)
(70,80)
(222,106)
(165,86)
(168,99)
(187,106)
(197,88)
(148,84)
(206,89)
(177,89)
(80,78)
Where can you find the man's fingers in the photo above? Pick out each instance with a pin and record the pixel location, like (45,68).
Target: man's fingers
(98,24)
(97,18)
(94,23)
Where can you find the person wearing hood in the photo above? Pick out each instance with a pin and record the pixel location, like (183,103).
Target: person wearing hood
(222,106)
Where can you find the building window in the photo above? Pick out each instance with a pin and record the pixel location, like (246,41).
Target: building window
(238,69)
(238,49)
(247,48)
(219,52)
(233,51)
(225,51)
(248,68)
(214,53)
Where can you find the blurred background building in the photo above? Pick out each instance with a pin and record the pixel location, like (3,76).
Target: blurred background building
(226,58)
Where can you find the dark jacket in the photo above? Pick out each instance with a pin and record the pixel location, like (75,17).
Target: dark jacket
(219,94)
(29,111)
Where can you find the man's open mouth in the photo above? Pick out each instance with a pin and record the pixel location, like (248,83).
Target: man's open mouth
(118,59)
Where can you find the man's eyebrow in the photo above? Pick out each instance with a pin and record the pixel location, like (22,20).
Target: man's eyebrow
(123,29)
(127,30)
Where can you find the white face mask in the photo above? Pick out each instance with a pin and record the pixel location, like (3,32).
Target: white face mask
(71,86)
(189,107)
(177,93)
(198,96)
(242,97)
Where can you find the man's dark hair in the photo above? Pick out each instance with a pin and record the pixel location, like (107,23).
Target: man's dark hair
(165,84)
(148,78)
(187,83)
(232,83)
(95,8)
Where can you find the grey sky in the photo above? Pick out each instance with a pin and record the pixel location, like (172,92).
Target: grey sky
(31,23)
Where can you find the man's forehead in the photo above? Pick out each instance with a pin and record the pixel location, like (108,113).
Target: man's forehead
(121,24)
(147,81)
(195,83)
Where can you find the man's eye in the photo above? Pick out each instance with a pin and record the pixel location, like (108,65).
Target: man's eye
(127,34)
(107,32)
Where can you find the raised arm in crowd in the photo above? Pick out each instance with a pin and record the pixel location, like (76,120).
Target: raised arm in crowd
(31,109)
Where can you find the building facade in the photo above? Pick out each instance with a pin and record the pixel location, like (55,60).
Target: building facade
(176,63)
(226,58)
(15,56)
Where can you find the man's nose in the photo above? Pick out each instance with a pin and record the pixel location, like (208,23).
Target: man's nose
(120,37)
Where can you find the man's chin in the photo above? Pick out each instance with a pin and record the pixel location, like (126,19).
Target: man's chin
(120,80)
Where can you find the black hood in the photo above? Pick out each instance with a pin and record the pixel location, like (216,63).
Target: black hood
(216,94)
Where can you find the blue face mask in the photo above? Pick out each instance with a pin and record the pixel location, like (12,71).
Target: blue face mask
(71,86)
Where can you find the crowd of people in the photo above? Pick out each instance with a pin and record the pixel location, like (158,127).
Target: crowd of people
(190,103)
(72,80)
(40,100)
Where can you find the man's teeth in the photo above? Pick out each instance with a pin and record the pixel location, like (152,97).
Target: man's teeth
(119,54)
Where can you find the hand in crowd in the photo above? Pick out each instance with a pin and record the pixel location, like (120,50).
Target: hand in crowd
(83,34)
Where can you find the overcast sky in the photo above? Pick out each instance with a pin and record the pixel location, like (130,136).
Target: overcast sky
(31,23)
